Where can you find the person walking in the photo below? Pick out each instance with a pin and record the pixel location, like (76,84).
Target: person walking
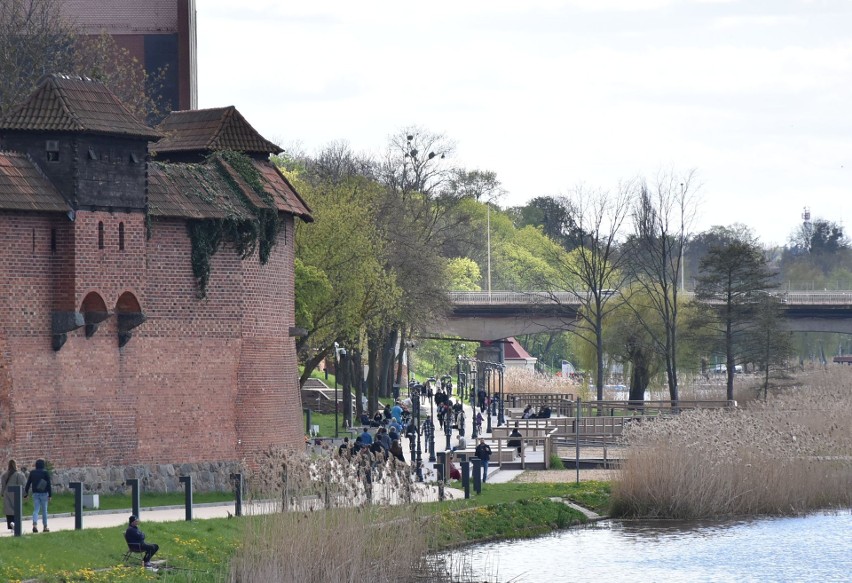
(11,477)
(483,452)
(39,480)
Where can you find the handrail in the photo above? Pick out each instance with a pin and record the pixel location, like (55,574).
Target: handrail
(573,299)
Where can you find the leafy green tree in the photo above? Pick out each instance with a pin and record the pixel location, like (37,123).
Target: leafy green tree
(630,341)
(463,274)
(732,282)
(771,344)
(552,215)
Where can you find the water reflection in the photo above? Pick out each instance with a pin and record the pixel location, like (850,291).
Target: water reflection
(812,548)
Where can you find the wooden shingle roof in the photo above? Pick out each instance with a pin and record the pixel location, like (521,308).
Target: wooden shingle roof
(64,103)
(23,187)
(209,130)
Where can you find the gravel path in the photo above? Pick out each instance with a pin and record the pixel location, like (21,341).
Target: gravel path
(566,475)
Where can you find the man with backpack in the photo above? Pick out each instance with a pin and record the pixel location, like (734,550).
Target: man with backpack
(39,481)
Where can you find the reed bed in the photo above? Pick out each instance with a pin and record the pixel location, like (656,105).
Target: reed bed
(340,519)
(519,380)
(789,455)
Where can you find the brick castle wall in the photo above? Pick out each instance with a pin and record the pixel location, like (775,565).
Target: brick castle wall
(200,381)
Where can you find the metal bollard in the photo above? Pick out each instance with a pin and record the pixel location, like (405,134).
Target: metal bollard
(238,494)
(78,504)
(134,494)
(442,466)
(18,505)
(465,472)
(187,491)
(477,474)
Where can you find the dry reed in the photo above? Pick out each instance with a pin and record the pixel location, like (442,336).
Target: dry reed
(790,455)
(334,522)
(519,380)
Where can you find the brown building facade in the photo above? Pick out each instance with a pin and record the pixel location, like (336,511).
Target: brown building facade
(111,351)
(160,34)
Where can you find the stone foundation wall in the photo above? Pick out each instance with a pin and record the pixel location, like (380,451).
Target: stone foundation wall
(206,477)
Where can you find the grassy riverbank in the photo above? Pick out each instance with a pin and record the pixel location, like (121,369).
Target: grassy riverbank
(208,546)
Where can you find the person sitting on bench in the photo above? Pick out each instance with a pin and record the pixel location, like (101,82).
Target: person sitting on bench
(516,443)
(136,541)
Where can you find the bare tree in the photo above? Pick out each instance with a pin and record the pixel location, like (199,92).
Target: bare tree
(592,272)
(36,40)
(663,214)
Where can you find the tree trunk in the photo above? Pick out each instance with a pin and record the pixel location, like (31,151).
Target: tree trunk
(311,365)
(372,361)
(345,365)
(359,384)
(599,351)
(400,358)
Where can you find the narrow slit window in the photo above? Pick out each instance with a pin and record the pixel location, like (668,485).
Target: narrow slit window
(121,236)
(53,240)
(100,235)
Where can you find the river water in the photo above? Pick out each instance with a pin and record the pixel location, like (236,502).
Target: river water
(812,548)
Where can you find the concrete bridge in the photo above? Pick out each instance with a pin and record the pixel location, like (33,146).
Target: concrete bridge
(500,314)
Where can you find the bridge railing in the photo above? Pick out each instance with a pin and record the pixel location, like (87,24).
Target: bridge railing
(837,298)
(511,297)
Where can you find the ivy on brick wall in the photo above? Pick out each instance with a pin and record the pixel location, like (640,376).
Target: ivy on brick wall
(248,228)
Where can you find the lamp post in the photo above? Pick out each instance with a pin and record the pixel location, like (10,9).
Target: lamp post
(501,419)
(415,402)
(487,372)
(448,428)
(336,399)
(488,237)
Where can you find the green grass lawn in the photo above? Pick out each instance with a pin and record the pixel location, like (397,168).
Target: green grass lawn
(501,511)
(95,554)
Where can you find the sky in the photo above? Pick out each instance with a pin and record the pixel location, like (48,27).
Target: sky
(755,96)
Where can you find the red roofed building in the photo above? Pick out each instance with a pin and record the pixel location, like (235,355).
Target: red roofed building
(514,355)
(129,333)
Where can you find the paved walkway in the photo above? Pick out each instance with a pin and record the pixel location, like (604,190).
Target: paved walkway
(119,518)
(495,474)
(110,519)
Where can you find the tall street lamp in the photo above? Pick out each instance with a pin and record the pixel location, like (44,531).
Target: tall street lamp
(501,419)
(488,238)
(336,398)
(487,371)
(415,402)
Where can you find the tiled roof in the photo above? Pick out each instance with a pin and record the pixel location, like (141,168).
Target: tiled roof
(513,350)
(282,192)
(200,191)
(192,191)
(207,130)
(75,104)
(23,186)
